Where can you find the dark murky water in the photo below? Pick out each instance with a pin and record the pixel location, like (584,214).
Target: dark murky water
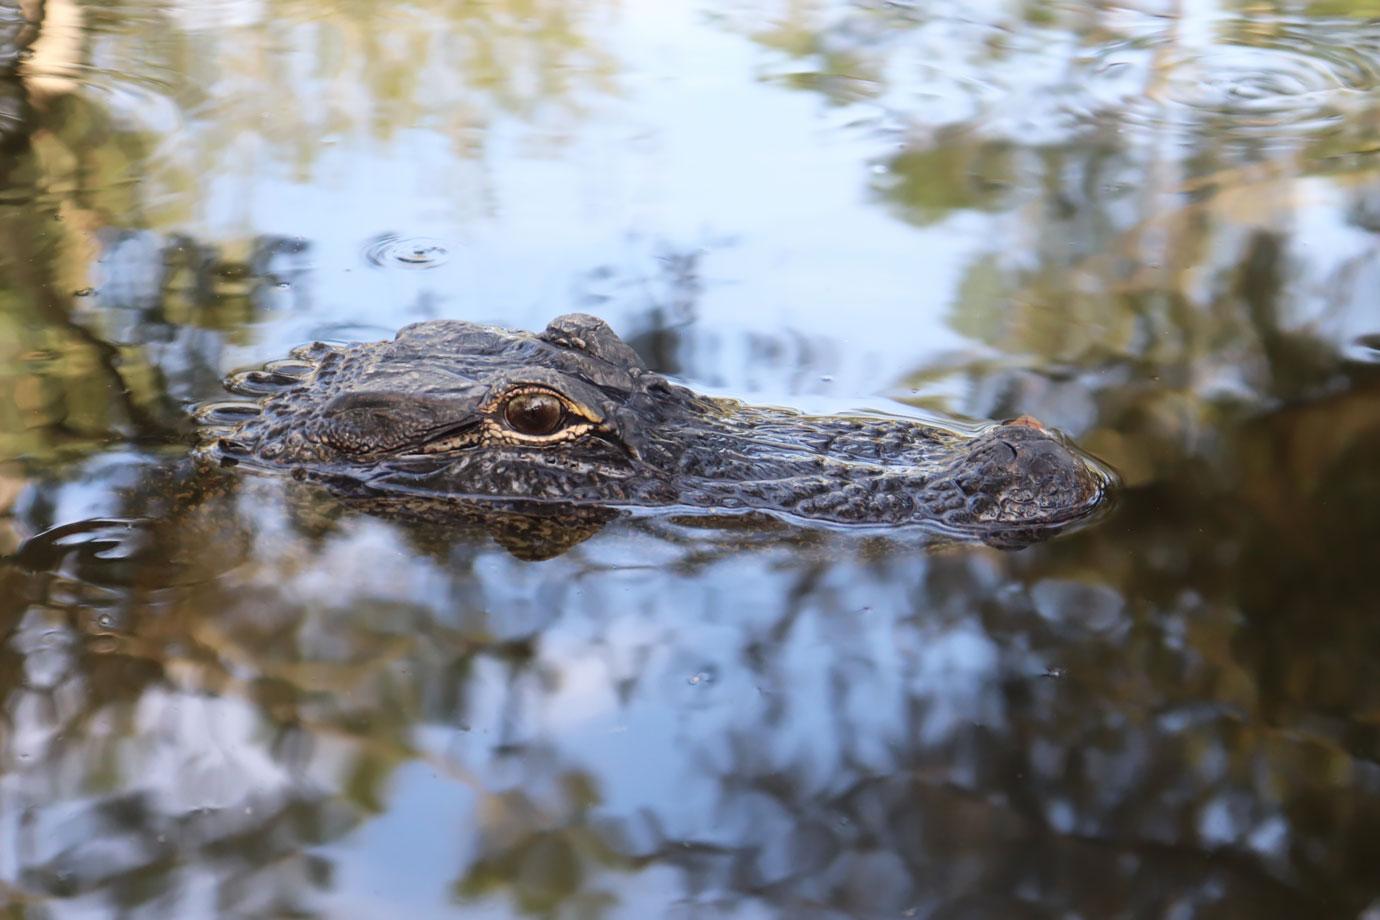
(1153,225)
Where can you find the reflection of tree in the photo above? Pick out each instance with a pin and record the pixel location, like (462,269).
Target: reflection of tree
(1168,709)
(977,107)
(86,369)
(170,302)
(366,75)
(80,370)
(68,386)
(1171,713)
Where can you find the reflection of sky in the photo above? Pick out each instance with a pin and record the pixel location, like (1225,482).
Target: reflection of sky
(690,148)
(642,679)
(399,863)
(691,152)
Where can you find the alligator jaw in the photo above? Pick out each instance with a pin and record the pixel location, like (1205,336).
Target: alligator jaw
(992,484)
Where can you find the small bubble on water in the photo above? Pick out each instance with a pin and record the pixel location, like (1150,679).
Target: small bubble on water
(83,292)
(283,285)
(700,677)
(1055,673)
(105,621)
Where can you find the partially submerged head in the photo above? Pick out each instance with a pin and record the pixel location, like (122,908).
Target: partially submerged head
(451,409)
(457,408)
(1021,473)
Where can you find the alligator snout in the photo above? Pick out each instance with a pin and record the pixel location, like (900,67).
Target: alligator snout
(1020,473)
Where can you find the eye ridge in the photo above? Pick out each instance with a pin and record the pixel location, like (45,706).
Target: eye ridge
(535,413)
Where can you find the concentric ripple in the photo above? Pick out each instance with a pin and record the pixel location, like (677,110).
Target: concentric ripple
(414,252)
(1271,78)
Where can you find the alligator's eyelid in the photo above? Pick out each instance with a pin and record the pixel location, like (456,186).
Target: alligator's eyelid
(528,389)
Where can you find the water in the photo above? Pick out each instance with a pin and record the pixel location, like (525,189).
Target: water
(1151,225)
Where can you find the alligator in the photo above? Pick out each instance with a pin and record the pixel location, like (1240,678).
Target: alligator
(457,412)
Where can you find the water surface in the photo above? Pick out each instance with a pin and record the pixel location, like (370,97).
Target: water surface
(1152,225)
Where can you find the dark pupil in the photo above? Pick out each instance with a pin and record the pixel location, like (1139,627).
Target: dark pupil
(534,413)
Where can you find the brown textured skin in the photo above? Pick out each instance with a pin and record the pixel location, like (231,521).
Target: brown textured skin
(422,416)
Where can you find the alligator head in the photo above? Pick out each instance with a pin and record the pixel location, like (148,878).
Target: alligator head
(452,410)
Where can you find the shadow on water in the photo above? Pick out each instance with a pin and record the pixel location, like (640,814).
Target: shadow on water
(229,694)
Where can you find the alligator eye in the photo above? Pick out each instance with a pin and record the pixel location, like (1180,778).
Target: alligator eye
(534,414)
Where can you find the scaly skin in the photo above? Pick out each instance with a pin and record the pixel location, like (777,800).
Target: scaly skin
(437,413)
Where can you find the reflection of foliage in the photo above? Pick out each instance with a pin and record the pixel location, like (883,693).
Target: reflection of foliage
(973,96)
(66,387)
(450,67)
(544,858)
(1171,713)
(80,370)
(1178,698)
(372,72)
(927,184)
(1360,9)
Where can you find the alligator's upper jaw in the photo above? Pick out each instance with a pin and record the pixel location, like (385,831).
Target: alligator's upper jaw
(1006,485)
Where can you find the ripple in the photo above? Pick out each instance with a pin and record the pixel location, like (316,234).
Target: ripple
(94,539)
(1365,348)
(413,252)
(1271,78)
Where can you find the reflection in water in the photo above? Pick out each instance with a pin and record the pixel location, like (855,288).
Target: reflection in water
(1223,69)
(1151,227)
